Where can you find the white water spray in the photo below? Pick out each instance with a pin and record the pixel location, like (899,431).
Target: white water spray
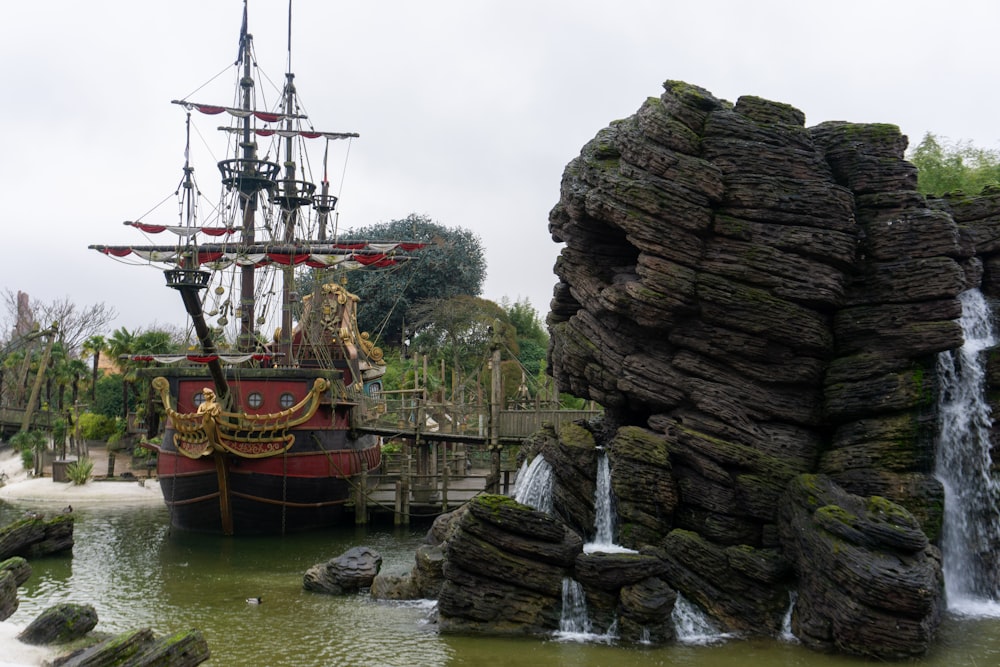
(971,527)
(604,512)
(692,625)
(574,618)
(535,490)
(786,625)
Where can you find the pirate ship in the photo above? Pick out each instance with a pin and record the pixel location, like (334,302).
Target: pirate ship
(260,436)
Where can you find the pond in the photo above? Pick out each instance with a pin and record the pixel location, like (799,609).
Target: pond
(137,572)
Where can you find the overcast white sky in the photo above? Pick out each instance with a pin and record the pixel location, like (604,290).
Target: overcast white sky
(468,110)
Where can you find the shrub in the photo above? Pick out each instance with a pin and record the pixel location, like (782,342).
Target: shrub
(79,471)
(27,443)
(95,426)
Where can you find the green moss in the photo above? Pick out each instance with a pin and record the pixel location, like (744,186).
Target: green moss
(574,435)
(836,513)
(887,509)
(495,502)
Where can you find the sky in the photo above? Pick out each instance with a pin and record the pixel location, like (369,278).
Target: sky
(468,110)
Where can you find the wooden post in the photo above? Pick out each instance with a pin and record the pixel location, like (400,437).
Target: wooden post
(495,396)
(404,491)
(397,517)
(361,502)
(444,476)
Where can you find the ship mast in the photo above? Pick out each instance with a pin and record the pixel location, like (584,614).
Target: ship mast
(246,341)
(189,280)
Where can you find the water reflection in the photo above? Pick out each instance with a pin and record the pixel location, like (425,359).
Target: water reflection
(137,572)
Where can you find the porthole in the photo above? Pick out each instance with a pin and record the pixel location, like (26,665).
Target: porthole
(286,401)
(199,398)
(255,400)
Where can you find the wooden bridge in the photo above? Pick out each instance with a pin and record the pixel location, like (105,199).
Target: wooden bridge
(438,456)
(11,420)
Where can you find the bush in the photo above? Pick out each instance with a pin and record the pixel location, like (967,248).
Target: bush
(95,426)
(27,443)
(27,459)
(79,471)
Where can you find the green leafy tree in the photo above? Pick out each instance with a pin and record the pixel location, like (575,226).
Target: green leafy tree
(532,339)
(453,263)
(948,167)
(463,330)
(122,346)
(109,396)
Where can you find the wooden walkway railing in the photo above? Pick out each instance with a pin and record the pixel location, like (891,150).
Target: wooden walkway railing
(441,455)
(11,419)
(407,414)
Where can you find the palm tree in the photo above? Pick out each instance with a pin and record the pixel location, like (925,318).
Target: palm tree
(94,346)
(120,346)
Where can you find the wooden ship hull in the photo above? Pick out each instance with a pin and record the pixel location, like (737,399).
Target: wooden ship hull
(271,480)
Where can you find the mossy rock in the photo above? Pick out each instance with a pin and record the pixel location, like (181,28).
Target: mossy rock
(59,624)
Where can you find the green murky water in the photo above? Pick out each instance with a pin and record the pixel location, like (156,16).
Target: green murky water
(137,572)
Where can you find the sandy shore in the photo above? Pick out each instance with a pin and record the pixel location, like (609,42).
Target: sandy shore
(21,488)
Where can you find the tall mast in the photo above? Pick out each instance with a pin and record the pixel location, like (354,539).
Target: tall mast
(246,341)
(189,280)
(290,214)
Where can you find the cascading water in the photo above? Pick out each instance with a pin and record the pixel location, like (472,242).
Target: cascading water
(786,624)
(692,625)
(574,619)
(604,511)
(533,486)
(971,527)
(604,515)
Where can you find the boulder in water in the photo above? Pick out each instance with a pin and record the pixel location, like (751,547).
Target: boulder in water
(347,573)
(139,648)
(60,623)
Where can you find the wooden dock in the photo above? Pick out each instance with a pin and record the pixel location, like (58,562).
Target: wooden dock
(438,456)
(423,481)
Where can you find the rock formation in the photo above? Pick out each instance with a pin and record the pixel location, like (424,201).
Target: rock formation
(35,536)
(60,623)
(13,572)
(758,306)
(141,648)
(347,573)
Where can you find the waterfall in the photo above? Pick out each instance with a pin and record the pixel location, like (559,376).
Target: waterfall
(522,472)
(574,619)
(535,490)
(971,529)
(692,625)
(786,625)
(604,512)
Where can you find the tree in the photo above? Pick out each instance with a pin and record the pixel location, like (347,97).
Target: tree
(123,344)
(94,346)
(948,167)
(463,330)
(76,324)
(453,263)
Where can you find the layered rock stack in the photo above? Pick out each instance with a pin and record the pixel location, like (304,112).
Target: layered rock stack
(752,300)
